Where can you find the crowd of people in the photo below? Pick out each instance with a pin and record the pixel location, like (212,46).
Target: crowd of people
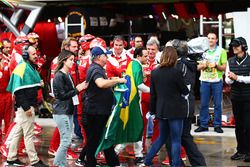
(82,78)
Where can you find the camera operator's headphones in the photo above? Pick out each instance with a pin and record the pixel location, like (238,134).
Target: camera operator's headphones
(242,42)
(25,52)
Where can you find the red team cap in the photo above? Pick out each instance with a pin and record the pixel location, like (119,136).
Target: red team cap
(98,42)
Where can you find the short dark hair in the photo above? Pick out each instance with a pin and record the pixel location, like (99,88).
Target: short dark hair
(6,40)
(138,52)
(118,37)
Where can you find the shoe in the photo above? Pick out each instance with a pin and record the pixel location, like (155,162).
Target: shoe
(183,157)
(4,151)
(166,161)
(100,156)
(201,129)
(139,160)
(22,152)
(51,152)
(238,156)
(79,148)
(142,165)
(247,158)
(71,155)
(37,132)
(17,162)
(40,164)
(218,130)
(37,127)
(79,162)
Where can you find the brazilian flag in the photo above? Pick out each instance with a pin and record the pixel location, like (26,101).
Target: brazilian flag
(23,76)
(125,124)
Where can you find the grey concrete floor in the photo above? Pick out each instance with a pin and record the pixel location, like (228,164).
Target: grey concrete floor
(216,148)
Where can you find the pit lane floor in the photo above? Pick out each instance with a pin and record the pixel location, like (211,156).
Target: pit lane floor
(216,148)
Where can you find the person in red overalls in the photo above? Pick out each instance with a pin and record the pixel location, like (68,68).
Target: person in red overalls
(136,42)
(70,44)
(16,55)
(83,65)
(15,59)
(117,62)
(34,41)
(152,48)
(5,97)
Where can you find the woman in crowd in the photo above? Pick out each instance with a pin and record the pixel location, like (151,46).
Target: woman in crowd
(167,91)
(66,100)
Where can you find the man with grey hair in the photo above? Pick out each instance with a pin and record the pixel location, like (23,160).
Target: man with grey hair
(152,48)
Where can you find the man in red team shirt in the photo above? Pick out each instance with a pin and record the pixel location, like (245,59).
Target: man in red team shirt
(137,42)
(5,97)
(152,48)
(119,60)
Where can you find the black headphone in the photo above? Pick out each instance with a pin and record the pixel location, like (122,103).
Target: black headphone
(25,52)
(242,43)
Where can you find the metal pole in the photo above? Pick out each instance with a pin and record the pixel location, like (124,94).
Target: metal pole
(66,27)
(201,25)
(8,23)
(220,30)
(16,16)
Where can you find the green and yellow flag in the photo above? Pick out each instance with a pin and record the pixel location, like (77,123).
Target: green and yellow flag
(23,76)
(125,124)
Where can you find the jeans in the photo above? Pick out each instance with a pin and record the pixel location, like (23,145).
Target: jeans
(77,127)
(150,127)
(65,126)
(166,127)
(206,90)
(195,157)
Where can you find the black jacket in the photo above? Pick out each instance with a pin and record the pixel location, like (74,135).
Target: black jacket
(188,69)
(27,97)
(166,90)
(63,91)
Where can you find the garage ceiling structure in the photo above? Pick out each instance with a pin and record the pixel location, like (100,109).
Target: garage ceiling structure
(137,8)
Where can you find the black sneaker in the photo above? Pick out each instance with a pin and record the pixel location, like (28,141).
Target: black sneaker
(40,164)
(17,162)
(247,158)
(139,160)
(79,162)
(218,130)
(238,156)
(201,129)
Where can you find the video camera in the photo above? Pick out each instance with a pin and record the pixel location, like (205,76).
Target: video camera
(197,47)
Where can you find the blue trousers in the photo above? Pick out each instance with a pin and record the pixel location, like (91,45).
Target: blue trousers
(208,89)
(166,127)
